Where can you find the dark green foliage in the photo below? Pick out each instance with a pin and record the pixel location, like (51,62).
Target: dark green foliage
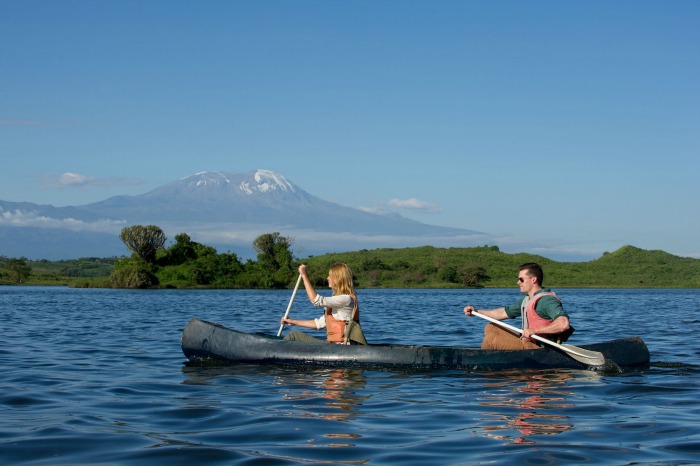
(143,241)
(182,251)
(472,275)
(86,267)
(188,264)
(133,273)
(448,274)
(274,266)
(18,270)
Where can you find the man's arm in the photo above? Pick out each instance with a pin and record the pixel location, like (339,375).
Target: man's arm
(499,313)
(558,325)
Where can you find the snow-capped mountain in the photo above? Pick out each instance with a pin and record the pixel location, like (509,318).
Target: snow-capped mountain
(210,197)
(226,210)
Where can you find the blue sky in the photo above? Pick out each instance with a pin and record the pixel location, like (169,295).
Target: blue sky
(562,128)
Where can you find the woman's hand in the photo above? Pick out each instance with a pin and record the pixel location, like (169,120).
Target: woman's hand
(310,292)
(287,320)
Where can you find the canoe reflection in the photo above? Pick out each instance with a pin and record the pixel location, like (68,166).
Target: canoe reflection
(523,406)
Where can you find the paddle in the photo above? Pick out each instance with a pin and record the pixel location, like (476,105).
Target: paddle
(592,358)
(296,287)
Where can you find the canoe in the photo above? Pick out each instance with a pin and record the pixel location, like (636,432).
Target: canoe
(202,340)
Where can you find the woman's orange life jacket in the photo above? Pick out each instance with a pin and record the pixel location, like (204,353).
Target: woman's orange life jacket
(335,329)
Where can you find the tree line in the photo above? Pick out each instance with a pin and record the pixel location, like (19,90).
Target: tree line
(187,263)
(152,264)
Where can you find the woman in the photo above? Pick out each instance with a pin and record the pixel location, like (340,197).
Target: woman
(340,308)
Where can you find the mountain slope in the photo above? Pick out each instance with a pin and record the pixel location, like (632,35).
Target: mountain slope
(260,197)
(224,209)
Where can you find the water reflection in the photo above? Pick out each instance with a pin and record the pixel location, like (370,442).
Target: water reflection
(333,395)
(330,395)
(198,373)
(523,406)
(337,389)
(341,392)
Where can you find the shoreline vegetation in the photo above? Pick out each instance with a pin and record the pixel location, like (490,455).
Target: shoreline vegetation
(189,265)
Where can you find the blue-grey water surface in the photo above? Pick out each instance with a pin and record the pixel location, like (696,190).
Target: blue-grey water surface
(97,376)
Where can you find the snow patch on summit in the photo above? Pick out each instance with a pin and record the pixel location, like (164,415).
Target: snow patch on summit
(214,179)
(266,180)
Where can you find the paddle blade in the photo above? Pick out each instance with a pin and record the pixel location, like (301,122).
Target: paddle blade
(592,358)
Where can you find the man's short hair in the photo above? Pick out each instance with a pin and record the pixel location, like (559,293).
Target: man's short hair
(534,270)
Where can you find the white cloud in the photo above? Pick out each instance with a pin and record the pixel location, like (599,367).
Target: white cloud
(313,242)
(19,218)
(377,210)
(75,180)
(414,204)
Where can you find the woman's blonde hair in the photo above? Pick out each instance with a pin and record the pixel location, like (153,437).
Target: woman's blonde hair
(342,276)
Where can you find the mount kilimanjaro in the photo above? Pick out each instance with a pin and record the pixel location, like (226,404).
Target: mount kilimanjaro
(224,210)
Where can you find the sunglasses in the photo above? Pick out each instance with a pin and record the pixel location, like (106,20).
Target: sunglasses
(521,279)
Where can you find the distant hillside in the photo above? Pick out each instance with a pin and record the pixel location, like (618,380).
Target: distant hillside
(431,267)
(426,267)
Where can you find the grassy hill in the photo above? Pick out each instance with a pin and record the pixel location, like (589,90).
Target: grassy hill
(64,272)
(427,267)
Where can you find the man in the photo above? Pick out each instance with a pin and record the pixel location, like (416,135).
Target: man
(542,312)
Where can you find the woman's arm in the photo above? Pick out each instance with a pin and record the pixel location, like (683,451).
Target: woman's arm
(300,323)
(310,292)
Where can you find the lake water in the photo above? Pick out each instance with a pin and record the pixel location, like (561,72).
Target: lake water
(93,376)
